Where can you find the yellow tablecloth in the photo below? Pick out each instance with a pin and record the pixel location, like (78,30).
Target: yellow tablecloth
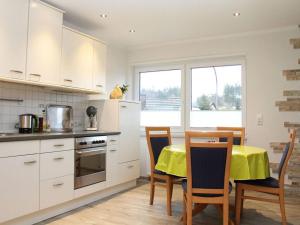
(247,162)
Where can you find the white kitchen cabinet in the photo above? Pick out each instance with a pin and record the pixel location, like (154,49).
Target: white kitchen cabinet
(56,164)
(44,43)
(56,191)
(112,158)
(19,189)
(129,171)
(13,38)
(99,66)
(55,145)
(77,60)
(123,116)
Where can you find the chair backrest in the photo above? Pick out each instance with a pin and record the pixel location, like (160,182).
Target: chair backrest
(287,152)
(157,139)
(208,163)
(238,134)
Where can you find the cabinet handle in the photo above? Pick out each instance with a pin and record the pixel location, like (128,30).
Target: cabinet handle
(113,140)
(59,145)
(58,158)
(99,85)
(113,150)
(68,80)
(36,74)
(58,184)
(16,71)
(130,166)
(124,106)
(30,162)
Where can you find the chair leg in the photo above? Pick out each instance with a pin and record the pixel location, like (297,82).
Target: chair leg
(189,211)
(152,189)
(226,211)
(184,209)
(282,208)
(169,195)
(238,204)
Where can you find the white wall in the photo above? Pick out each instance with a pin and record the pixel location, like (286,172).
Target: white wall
(266,53)
(117,67)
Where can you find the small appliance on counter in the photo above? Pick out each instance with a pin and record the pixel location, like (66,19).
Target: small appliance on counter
(28,123)
(91,120)
(59,118)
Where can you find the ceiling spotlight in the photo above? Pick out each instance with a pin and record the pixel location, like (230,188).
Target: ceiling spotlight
(132,31)
(103,15)
(236,14)
(33,4)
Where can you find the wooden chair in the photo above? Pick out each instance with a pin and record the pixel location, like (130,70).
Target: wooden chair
(157,139)
(270,185)
(238,134)
(208,170)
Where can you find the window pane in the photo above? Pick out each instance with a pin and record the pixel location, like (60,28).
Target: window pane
(160,96)
(216,96)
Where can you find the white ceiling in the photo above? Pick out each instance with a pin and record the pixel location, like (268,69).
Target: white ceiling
(162,21)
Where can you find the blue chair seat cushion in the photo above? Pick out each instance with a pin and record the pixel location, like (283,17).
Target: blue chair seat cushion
(184,187)
(268,182)
(159,172)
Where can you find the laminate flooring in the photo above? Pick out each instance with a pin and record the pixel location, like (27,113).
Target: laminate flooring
(132,208)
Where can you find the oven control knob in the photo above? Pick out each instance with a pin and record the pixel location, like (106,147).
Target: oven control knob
(102,141)
(82,143)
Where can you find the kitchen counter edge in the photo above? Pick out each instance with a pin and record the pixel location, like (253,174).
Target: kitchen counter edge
(45,136)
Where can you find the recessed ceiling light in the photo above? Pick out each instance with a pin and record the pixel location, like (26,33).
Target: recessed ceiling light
(236,14)
(132,31)
(33,4)
(103,15)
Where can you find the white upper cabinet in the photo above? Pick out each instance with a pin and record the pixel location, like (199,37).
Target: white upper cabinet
(77,60)
(99,66)
(44,43)
(13,38)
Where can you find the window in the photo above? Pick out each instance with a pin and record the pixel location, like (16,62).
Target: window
(216,96)
(160,96)
(193,94)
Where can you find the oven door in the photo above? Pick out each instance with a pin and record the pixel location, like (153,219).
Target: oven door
(90,166)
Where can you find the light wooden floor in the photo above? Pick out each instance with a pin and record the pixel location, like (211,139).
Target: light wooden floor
(132,208)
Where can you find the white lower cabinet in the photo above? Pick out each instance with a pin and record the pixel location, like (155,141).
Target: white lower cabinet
(129,171)
(19,188)
(56,174)
(112,170)
(56,191)
(56,164)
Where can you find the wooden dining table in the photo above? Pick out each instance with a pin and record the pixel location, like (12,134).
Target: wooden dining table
(247,162)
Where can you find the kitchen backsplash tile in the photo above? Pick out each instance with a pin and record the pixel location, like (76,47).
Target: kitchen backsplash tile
(35,100)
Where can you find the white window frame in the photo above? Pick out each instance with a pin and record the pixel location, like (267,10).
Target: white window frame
(186,65)
(226,61)
(153,68)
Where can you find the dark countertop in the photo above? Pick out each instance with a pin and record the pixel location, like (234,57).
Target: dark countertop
(44,136)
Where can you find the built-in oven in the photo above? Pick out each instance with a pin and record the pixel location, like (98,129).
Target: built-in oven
(90,160)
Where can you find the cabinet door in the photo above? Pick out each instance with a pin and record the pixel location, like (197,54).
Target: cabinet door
(44,43)
(99,66)
(112,169)
(77,60)
(129,114)
(19,189)
(13,38)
